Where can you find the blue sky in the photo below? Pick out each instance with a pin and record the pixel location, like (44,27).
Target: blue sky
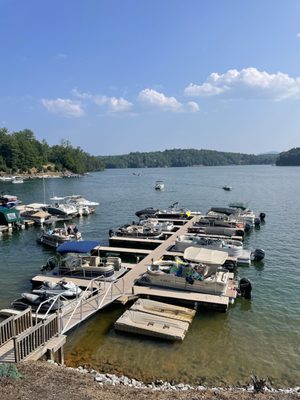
(115,76)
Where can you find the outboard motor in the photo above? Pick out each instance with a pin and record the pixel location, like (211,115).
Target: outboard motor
(258,255)
(262,216)
(257,222)
(50,265)
(110,233)
(239,232)
(248,226)
(245,288)
(230,265)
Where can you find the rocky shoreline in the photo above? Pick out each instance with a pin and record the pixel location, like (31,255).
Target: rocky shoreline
(44,175)
(51,381)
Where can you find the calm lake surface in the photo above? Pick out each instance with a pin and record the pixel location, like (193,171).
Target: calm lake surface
(261,335)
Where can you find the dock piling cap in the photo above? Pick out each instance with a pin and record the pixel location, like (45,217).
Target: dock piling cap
(205,256)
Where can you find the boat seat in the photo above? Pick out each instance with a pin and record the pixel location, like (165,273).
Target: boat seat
(94,261)
(115,262)
(223,277)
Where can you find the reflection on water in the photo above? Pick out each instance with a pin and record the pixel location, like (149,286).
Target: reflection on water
(260,335)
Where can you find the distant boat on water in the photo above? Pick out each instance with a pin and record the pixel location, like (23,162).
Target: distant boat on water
(18,179)
(159,185)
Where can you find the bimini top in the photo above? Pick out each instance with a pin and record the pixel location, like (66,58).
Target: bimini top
(205,256)
(84,246)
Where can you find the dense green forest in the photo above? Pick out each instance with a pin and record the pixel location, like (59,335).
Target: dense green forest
(21,151)
(184,158)
(291,157)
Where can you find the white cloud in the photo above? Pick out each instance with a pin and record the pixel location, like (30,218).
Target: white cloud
(192,106)
(113,104)
(65,107)
(298,35)
(156,99)
(247,83)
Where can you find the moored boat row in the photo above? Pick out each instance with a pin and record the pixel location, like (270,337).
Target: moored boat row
(198,269)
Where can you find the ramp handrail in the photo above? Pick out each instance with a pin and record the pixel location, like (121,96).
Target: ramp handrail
(53,301)
(96,293)
(83,297)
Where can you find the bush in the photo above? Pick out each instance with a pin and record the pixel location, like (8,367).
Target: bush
(9,371)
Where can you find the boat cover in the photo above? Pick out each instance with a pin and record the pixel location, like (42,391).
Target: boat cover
(84,246)
(242,206)
(205,256)
(41,214)
(223,210)
(9,215)
(36,206)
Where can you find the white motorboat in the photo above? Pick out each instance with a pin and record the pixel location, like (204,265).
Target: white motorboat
(174,211)
(18,179)
(233,248)
(137,230)
(166,226)
(78,199)
(237,212)
(61,209)
(187,276)
(159,185)
(57,236)
(216,230)
(84,206)
(8,200)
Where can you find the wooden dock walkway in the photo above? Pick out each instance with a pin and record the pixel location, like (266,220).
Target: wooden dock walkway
(132,276)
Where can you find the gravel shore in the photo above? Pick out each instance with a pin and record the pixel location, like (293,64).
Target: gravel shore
(44,381)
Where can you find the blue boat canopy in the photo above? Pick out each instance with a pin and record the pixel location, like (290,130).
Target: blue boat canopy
(84,246)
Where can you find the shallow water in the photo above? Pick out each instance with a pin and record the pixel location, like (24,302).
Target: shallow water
(260,335)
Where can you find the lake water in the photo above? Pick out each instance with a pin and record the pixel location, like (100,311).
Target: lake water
(261,335)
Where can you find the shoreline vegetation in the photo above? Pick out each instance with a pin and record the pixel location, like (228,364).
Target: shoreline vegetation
(36,380)
(22,154)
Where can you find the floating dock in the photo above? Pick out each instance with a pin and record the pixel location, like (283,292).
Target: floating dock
(156,319)
(164,310)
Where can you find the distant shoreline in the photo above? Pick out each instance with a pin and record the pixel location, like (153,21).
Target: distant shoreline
(4,177)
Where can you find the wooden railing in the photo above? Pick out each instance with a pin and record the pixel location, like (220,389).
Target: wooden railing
(37,336)
(15,325)
(23,321)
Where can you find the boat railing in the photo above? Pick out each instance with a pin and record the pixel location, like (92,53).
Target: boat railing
(15,325)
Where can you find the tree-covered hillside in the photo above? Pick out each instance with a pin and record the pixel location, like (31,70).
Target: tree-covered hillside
(184,158)
(291,157)
(21,151)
